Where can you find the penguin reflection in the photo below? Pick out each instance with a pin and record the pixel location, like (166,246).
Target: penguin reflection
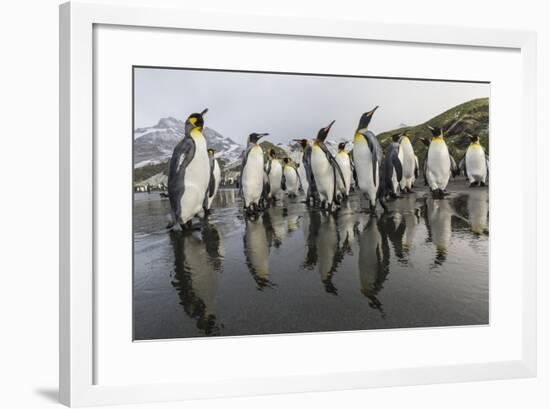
(197,263)
(406,218)
(478,211)
(439,215)
(323,247)
(374,261)
(256,250)
(346,222)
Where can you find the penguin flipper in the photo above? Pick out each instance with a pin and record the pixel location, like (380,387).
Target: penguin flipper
(176,186)
(243,165)
(398,167)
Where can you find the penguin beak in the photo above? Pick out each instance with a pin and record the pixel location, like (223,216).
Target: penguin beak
(431,128)
(205,110)
(374,110)
(330,126)
(262,135)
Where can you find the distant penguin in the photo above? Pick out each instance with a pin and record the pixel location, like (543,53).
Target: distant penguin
(215,176)
(344,161)
(475,163)
(325,169)
(252,173)
(407,158)
(393,170)
(189,174)
(274,171)
(291,180)
(368,159)
(439,164)
(311,191)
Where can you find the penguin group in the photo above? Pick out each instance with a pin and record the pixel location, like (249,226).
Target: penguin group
(326,179)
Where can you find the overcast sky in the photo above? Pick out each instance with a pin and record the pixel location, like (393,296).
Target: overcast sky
(291,106)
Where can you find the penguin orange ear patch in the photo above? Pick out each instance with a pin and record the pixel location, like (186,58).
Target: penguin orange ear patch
(192,120)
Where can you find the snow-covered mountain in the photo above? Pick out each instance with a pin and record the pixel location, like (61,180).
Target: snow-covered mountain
(153,145)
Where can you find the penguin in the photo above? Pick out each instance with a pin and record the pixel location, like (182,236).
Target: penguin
(475,163)
(325,169)
(215,176)
(252,173)
(290,181)
(407,158)
(274,171)
(439,164)
(344,162)
(368,159)
(312,196)
(393,170)
(189,173)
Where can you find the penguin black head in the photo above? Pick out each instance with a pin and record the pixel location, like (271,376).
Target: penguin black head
(302,142)
(211,152)
(395,137)
(255,137)
(272,153)
(436,131)
(197,120)
(474,139)
(366,118)
(323,132)
(342,146)
(286,161)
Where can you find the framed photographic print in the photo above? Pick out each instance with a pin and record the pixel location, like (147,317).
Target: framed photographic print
(258,191)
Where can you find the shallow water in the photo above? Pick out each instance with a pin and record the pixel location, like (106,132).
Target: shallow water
(295,269)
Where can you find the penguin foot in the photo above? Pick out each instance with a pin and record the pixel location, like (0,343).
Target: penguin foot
(482,184)
(473,184)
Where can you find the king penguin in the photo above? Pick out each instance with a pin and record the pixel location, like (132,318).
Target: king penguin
(408,162)
(252,173)
(393,169)
(475,163)
(311,191)
(439,164)
(189,174)
(344,161)
(291,180)
(368,159)
(325,169)
(274,171)
(215,176)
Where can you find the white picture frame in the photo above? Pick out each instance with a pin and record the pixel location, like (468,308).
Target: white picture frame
(77,161)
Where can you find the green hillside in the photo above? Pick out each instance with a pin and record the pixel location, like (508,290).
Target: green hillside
(471,117)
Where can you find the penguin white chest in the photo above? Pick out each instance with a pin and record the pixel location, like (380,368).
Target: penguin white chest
(345,166)
(439,165)
(291,178)
(322,173)
(197,177)
(367,179)
(406,156)
(476,166)
(253,176)
(275,176)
